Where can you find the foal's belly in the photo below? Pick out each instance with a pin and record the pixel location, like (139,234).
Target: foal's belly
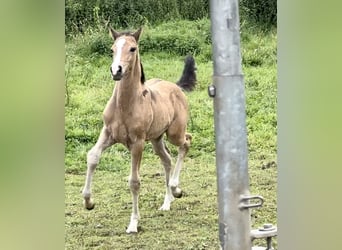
(126,135)
(157,129)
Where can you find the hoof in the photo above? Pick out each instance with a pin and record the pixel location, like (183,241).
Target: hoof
(132,231)
(165,207)
(177,192)
(89,204)
(132,227)
(91,207)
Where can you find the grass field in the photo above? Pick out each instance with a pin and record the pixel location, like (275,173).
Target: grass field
(192,222)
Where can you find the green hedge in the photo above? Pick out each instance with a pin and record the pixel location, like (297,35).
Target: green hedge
(181,37)
(80,14)
(261,12)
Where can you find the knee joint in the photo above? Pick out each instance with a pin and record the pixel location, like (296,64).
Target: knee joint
(92,158)
(134,185)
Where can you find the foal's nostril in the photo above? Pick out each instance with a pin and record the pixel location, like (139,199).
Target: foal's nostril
(120,69)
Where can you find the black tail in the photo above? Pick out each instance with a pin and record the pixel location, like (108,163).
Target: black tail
(188,79)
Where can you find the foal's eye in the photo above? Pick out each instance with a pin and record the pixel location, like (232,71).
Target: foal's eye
(133,49)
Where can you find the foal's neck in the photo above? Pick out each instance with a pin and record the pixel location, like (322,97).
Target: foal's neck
(130,86)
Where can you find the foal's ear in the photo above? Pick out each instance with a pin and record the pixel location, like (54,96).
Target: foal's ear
(114,33)
(137,34)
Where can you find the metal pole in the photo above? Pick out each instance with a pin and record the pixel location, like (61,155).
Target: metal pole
(230,127)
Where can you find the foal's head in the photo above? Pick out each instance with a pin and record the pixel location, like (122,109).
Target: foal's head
(125,52)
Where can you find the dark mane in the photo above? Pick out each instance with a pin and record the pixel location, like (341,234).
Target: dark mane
(126,33)
(142,77)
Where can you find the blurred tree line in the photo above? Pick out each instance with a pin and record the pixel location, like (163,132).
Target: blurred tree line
(81,14)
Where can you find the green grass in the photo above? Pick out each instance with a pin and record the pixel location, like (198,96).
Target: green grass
(192,221)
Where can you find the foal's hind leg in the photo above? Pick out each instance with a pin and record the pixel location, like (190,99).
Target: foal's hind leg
(182,151)
(160,149)
(93,158)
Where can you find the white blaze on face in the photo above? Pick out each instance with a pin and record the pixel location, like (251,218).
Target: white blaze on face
(116,61)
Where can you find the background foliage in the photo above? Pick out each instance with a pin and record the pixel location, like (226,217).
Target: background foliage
(80,14)
(261,12)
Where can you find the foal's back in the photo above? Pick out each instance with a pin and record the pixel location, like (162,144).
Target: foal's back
(169,107)
(169,94)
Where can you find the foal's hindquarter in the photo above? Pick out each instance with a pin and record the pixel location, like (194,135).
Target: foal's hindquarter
(139,112)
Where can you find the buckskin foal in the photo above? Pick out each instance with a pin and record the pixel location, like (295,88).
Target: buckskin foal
(140,111)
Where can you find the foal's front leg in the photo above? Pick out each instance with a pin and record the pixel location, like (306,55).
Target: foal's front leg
(134,184)
(93,158)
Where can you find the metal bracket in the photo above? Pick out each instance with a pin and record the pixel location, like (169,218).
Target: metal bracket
(211,90)
(267,231)
(245,201)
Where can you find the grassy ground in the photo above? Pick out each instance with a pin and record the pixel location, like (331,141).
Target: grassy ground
(192,221)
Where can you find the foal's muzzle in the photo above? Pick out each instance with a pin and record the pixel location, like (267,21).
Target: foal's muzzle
(118,75)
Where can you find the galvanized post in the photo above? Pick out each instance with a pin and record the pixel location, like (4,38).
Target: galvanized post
(230,127)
